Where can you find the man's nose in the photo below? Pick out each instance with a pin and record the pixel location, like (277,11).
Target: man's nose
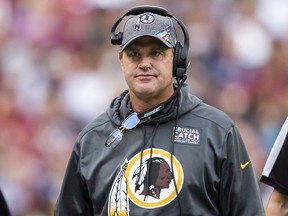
(145,63)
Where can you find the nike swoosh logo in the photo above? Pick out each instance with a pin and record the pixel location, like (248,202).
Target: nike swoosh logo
(243,166)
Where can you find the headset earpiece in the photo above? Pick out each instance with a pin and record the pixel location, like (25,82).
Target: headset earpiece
(177,52)
(116,39)
(180,61)
(181,53)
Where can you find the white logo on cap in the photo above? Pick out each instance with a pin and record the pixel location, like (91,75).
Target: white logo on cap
(145,19)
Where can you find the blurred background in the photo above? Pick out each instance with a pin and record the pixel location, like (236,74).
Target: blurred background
(58,71)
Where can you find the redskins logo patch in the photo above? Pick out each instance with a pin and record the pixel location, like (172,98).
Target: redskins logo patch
(148,180)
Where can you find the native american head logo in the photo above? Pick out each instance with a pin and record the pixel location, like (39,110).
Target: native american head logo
(144,19)
(154,174)
(148,180)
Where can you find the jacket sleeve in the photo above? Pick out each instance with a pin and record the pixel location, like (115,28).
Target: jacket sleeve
(239,189)
(73,198)
(3,206)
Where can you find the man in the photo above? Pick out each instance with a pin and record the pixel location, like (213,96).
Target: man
(275,174)
(205,168)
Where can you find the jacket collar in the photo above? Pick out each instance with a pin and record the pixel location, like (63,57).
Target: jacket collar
(120,107)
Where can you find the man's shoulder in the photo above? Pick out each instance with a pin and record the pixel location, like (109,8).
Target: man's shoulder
(99,121)
(213,115)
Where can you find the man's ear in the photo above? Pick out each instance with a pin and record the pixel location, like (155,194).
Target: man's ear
(120,57)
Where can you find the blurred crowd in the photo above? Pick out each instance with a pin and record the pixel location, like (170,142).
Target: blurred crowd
(58,71)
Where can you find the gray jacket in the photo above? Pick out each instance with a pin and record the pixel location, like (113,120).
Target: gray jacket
(186,161)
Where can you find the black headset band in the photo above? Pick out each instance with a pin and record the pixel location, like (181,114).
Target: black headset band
(151,9)
(157,10)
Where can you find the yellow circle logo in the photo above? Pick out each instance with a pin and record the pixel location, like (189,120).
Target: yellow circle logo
(152,178)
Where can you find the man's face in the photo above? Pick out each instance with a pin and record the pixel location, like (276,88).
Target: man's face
(147,64)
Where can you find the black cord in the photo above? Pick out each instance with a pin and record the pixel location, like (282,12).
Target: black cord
(172,154)
(150,156)
(141,157)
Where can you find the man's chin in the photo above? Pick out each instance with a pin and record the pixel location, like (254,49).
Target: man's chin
(146,94)
(146,89)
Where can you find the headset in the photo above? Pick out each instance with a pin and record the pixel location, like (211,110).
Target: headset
(181,53)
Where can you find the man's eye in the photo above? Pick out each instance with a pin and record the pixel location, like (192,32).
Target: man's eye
(156,53)
(134,54)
